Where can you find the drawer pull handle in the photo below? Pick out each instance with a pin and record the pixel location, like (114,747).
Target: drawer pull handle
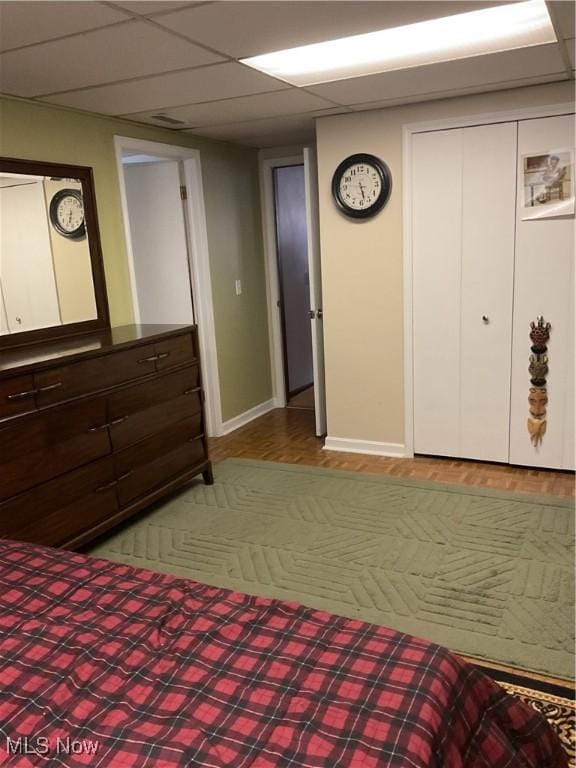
(50,387)
(99,427)
(112,483)
(198,437)
(106,486)
(163,355)
(108,424)
(21,395)
(31,392)
(191,391)
(150,359)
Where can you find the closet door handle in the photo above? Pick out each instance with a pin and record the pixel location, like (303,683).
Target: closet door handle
(485,319)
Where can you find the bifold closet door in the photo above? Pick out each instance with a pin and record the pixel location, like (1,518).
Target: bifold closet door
(544,285)
(464,190)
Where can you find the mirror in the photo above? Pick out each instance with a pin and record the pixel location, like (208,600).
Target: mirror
(51,276)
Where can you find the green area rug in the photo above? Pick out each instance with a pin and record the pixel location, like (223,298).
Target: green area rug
(486,573)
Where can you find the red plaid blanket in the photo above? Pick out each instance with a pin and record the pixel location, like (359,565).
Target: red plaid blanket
(107,665)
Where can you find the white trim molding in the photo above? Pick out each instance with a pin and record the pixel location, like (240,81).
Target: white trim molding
(199,259)
(245,418)
(408,130)
(372,447)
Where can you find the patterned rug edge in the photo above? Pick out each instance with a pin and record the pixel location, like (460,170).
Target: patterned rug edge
(473,490)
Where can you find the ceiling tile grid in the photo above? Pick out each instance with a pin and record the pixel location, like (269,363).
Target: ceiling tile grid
(139,58)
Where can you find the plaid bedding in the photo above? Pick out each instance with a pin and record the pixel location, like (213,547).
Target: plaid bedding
(107,665)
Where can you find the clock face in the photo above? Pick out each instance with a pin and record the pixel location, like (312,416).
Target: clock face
(67,213)
(361,185)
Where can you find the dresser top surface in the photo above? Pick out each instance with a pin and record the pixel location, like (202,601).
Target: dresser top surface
(35,356)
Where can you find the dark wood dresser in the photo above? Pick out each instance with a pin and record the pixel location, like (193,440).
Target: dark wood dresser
(94,428)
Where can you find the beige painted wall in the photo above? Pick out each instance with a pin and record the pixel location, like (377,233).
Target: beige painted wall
(231,188)
(362,263)
(72,265)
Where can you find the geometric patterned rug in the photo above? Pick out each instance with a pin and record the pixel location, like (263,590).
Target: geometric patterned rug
(489,574)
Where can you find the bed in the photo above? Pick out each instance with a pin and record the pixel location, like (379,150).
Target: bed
(103,664)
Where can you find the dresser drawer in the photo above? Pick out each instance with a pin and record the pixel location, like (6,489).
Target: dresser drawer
(68,381)
(140,411)
(54,512)
(176,351)
(160,468)
(17,395)
(38,448)
(157,445)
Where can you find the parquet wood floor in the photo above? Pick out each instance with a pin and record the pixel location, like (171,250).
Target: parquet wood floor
(287,435)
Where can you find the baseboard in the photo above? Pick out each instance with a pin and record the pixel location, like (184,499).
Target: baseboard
(373,447)
(245,418)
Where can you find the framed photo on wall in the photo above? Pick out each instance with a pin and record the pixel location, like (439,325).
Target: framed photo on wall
(548,184)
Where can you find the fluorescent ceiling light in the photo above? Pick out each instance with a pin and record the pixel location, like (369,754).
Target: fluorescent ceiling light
(500,28)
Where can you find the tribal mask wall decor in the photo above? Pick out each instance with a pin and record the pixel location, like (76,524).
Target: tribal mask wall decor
(538,370)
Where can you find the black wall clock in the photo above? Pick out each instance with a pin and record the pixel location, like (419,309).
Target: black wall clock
(361,185)
(67,213)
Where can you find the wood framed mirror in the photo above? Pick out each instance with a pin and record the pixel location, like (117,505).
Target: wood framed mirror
(51,270)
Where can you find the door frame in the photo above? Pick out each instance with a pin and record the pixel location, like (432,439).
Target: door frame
(273,292)
(198,259)
(408,130)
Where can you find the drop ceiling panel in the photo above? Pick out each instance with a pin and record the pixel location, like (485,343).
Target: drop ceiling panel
(570,45)
(266,133)
(506,67)
(242,29)
(24,23)
(148,7)
(564,14)
(286,102)
(221,81)
(132,49)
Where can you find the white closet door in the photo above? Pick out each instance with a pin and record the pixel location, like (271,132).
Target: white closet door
(436,248)
(463,259)
(489,202)
(26,267)
(544,285)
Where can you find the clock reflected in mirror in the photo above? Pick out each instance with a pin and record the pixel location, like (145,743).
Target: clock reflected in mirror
(67,213)
(361,186)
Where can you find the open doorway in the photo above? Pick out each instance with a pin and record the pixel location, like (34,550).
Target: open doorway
(160,250)
(294,284)
(291,231)
(167,245)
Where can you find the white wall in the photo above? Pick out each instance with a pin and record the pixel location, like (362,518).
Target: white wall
(158,236)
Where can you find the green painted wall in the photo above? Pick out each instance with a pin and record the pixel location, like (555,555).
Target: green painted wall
(231,188)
